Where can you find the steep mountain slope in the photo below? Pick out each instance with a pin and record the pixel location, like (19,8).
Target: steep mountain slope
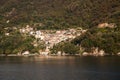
(59,14)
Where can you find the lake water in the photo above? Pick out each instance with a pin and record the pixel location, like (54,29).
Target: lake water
(56,68)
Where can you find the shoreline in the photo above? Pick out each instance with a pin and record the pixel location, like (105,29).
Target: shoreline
(53,55)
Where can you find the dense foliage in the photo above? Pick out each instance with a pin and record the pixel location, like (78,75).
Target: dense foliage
(105,38)
(65,47)
(15,43)
(59,14)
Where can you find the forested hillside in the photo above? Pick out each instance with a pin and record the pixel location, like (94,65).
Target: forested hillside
(59,14)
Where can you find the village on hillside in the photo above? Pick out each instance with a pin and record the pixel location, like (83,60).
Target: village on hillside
(50,37)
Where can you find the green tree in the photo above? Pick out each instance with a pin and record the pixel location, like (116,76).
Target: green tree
(106,39)
(15,43)
(70,48)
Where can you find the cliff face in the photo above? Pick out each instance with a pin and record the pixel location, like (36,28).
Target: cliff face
(62,13)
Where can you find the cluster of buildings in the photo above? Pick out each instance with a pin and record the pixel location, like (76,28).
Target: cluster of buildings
(51,37)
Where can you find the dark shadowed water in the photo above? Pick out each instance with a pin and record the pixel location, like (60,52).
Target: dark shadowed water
(65,68)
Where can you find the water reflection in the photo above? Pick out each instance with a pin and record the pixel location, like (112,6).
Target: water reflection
(59,68)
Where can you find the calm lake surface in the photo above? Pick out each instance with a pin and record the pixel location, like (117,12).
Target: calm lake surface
(60,68)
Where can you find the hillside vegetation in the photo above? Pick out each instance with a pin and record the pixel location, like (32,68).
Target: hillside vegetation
(59,14)
(104,39)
